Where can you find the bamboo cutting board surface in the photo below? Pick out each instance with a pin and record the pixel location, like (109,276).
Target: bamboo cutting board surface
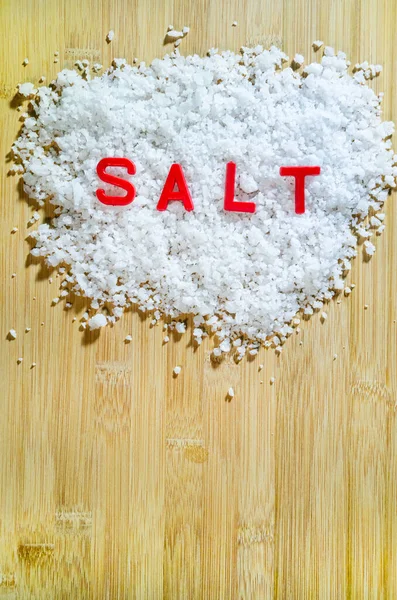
(119,481)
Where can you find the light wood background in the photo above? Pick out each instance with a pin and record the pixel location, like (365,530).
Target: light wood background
(118,481)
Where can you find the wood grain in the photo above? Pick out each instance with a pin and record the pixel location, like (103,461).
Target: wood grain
(120,481)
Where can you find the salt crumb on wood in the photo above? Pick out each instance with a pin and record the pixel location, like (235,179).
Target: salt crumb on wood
(177,370)
(128,339)
(12,334)
(110,36)
(317,45)
(234,24)
(230,392)
(97,321)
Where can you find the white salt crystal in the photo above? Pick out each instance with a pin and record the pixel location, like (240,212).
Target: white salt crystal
(27,329)
(324,316)
(174,35)
(25,62)
(369,248)
(177,370)
(185,30)
(14,229)
(110,36)
(180,327)
(19,360)
(317,45)
(298,60)
(230,392)
(27,89)
(272,380)
(12,334)
(166,339)
(128,338)
(97,321)
(234,24)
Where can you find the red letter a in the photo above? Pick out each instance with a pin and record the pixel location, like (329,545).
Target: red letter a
(175,178)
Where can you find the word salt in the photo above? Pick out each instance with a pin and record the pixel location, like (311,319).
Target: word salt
(242,276)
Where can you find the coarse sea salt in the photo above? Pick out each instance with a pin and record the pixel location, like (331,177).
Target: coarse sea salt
(244,276)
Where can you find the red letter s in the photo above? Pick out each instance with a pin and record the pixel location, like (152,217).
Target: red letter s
(117,181)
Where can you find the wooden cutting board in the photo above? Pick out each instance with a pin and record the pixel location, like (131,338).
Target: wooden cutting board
(118,480)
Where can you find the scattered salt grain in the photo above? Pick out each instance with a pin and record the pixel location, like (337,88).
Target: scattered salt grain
(97,321)
(42,79)
(324,316)
(19,360)
(335,356)
(272,380)
(177,43)
(177,370)
(128,339)
(365,306)
(347,291)
(185,30)
(55,301)
(12,334)
(32,366)
(166,339)
(234,24)
(27,89)
(14,229)
(260,367)
(317,45)
(153,259)
(180,327)
(173,34)
(230,392)
(27,329)
(369,248)
(110,36)
(25,62)
(297,61)
(13,275)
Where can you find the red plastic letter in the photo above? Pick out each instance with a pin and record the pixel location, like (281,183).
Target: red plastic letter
(229,202)
(299,173)
(117,181)
(175,178)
